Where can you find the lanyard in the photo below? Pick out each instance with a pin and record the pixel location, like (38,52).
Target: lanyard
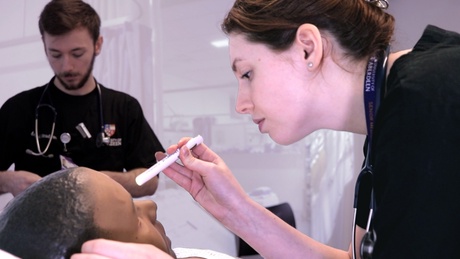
(374,87)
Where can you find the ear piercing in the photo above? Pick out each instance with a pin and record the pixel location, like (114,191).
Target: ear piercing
(309,64)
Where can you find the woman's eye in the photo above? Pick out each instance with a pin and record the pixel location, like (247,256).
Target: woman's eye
(246,75)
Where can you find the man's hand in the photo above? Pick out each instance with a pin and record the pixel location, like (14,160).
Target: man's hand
(15,182)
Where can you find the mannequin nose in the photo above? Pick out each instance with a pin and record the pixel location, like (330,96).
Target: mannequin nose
(148,209)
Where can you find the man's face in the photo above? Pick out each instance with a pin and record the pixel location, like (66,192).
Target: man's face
(122,218)
(71,56)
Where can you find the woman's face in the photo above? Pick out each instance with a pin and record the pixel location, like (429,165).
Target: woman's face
(124,219)
(273,88)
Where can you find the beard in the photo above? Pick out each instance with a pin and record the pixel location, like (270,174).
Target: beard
(82,82)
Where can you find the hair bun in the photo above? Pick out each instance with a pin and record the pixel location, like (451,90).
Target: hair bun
(383,4)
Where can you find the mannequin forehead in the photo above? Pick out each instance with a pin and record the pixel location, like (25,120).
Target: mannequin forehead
(114,210)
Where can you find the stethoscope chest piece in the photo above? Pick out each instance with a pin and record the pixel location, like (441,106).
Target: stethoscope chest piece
(65,138)
(367,244)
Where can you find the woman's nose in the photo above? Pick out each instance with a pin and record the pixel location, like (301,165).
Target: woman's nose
(243,103)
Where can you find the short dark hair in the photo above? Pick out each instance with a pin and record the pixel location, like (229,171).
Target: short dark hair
(50,219)
(61,16)
(361,28)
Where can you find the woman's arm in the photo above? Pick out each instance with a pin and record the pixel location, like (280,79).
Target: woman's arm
(211,183)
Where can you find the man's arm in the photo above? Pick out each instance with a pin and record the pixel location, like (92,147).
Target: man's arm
(128,180)
(15,182)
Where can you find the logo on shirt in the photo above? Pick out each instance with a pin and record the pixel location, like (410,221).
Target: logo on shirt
(109,129)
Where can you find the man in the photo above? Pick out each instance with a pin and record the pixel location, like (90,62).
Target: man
(56,215)
(73,120)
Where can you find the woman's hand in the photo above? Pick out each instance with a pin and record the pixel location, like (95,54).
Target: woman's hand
(105,249)
(207,178)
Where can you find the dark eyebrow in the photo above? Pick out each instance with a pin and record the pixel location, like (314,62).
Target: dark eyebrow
(234,64)
(72,50)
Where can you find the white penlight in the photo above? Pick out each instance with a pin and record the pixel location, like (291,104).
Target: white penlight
(220,43)
(165,162)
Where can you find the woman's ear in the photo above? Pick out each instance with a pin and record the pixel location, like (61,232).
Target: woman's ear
(309,39)
(98,45)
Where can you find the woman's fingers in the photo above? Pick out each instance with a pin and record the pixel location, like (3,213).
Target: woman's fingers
(103,248)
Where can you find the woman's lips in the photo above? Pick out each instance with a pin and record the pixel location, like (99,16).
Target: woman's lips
(259,122)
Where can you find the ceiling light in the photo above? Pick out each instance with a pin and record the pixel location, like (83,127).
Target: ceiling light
(220,43)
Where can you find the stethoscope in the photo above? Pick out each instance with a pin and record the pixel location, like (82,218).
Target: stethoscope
(65,137)
(374,90)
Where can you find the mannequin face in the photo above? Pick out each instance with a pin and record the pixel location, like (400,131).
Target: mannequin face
(121,217)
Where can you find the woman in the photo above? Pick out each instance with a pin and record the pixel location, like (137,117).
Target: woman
(307,65)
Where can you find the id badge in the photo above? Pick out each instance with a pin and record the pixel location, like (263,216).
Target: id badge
(66,162)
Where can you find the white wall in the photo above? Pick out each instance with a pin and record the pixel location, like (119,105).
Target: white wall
(412,16)
(302,174)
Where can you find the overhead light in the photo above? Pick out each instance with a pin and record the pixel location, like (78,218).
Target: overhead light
(220,43)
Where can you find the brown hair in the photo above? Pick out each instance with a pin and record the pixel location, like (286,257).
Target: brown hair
(361,28)
(61,16)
